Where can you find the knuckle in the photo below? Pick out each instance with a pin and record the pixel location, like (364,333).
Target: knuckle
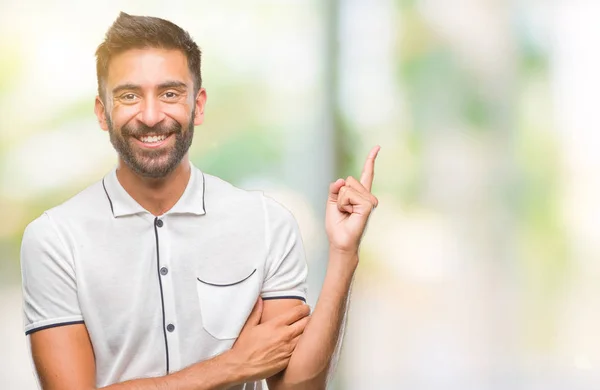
(291,337)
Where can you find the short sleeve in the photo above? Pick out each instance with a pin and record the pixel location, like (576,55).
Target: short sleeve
(49,283)
(286,268)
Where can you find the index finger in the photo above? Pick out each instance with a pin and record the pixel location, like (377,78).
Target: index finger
(295,314)
(297,328)
(366,178)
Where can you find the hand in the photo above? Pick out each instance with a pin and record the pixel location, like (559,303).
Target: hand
(263,350)
(349,206)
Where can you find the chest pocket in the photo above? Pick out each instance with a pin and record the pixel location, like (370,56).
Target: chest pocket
(227,300)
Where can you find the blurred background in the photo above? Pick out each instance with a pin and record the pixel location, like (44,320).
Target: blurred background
(481,265)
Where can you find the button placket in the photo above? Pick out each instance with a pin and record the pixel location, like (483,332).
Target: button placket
(168,293)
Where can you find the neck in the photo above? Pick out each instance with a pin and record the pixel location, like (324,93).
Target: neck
(157,195)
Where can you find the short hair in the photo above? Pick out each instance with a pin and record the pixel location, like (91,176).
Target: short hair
(139,32)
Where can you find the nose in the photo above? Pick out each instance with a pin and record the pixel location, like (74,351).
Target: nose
(151,113)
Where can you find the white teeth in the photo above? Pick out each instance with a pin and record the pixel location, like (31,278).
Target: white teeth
(153,139)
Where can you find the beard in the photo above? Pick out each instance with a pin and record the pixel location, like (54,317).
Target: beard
(151,163)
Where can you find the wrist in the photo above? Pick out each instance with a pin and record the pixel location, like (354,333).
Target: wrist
(343,260)
(347,251)
(233,369)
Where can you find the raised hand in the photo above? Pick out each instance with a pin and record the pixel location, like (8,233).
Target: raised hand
(349,206)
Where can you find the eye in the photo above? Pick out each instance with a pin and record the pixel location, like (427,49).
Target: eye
(171,95)
(128,97)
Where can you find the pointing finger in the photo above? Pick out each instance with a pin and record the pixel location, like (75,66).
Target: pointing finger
(366,178)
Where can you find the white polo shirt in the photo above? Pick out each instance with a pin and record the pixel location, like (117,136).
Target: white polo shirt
(158,294)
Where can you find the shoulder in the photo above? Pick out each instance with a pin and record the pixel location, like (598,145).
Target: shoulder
(91,200)
(225,199)
(85,205)
(41,241)
(223,192)
(38,229)
(220,195)
(276,211)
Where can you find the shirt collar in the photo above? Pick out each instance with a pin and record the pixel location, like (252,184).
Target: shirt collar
(121,203)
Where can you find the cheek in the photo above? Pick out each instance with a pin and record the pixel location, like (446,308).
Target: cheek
(177,110)
(121,116)
(124,113)
(180,113)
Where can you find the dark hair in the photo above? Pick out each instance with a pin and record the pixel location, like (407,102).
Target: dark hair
(139,32)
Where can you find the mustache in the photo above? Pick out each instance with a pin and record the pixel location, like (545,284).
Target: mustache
(141,130)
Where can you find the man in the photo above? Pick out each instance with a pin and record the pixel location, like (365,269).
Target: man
(162,277)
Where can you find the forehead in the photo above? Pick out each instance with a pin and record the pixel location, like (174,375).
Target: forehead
(148,67)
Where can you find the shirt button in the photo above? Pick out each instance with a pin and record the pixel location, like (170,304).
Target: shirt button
(159,222)
(170,327)
(164,271)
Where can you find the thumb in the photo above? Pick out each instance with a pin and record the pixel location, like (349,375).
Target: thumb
(256,314)
(253,319)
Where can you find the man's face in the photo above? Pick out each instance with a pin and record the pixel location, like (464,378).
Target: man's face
(150,110)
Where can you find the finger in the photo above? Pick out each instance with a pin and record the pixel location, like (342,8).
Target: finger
(296,313)
(255,315)
(356,185)
(292,344)
(343,202)
(366,178)
(295,340)
(334,189)
(351,201)
(297,328)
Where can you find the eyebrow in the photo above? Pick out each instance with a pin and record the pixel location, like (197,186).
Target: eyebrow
(172,84)
(137,88)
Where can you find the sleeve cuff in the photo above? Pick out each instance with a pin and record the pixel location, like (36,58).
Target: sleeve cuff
(47,324)
(284,295)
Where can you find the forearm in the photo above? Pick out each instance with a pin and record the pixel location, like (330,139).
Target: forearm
(312,358)
(220,372)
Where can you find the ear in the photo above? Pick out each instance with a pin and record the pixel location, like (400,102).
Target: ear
(100,113)
(200,102)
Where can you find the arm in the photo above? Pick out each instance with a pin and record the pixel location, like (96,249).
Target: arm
(348,208)
(318,347)
(64,357)
(64,360)
(314,355)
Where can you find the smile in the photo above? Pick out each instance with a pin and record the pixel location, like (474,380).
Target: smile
(152,140)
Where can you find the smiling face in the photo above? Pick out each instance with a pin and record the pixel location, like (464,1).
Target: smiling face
(150,109)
